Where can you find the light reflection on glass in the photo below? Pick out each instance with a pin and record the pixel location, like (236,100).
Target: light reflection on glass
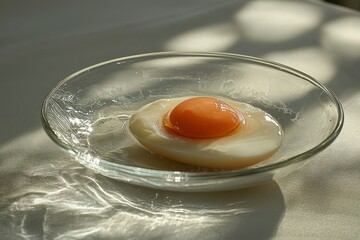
(56,198)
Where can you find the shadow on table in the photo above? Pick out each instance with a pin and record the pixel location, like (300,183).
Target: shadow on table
(53,197)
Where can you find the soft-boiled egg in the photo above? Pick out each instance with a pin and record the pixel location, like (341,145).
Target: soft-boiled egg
(207,132)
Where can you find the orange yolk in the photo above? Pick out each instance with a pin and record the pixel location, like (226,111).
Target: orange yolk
(201,117)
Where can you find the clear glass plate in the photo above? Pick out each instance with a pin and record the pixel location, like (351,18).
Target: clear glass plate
(87,115)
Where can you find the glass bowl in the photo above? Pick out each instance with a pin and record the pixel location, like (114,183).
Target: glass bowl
(87,114)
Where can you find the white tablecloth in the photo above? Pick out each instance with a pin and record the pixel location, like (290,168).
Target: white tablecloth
(44,194)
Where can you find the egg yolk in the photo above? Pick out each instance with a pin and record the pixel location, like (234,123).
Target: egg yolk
(201,117)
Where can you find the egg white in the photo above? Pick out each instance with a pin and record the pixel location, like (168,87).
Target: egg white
(258,137)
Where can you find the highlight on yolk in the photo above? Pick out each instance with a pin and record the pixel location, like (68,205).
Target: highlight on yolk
(201,117)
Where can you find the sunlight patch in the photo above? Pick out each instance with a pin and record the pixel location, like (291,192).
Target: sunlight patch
(311,60)
(217,37)
(342,37)
(277,21)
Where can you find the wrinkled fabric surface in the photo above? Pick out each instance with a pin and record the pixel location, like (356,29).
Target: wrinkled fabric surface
(44,194)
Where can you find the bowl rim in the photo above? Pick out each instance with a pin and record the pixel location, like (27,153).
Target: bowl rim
(146,172)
